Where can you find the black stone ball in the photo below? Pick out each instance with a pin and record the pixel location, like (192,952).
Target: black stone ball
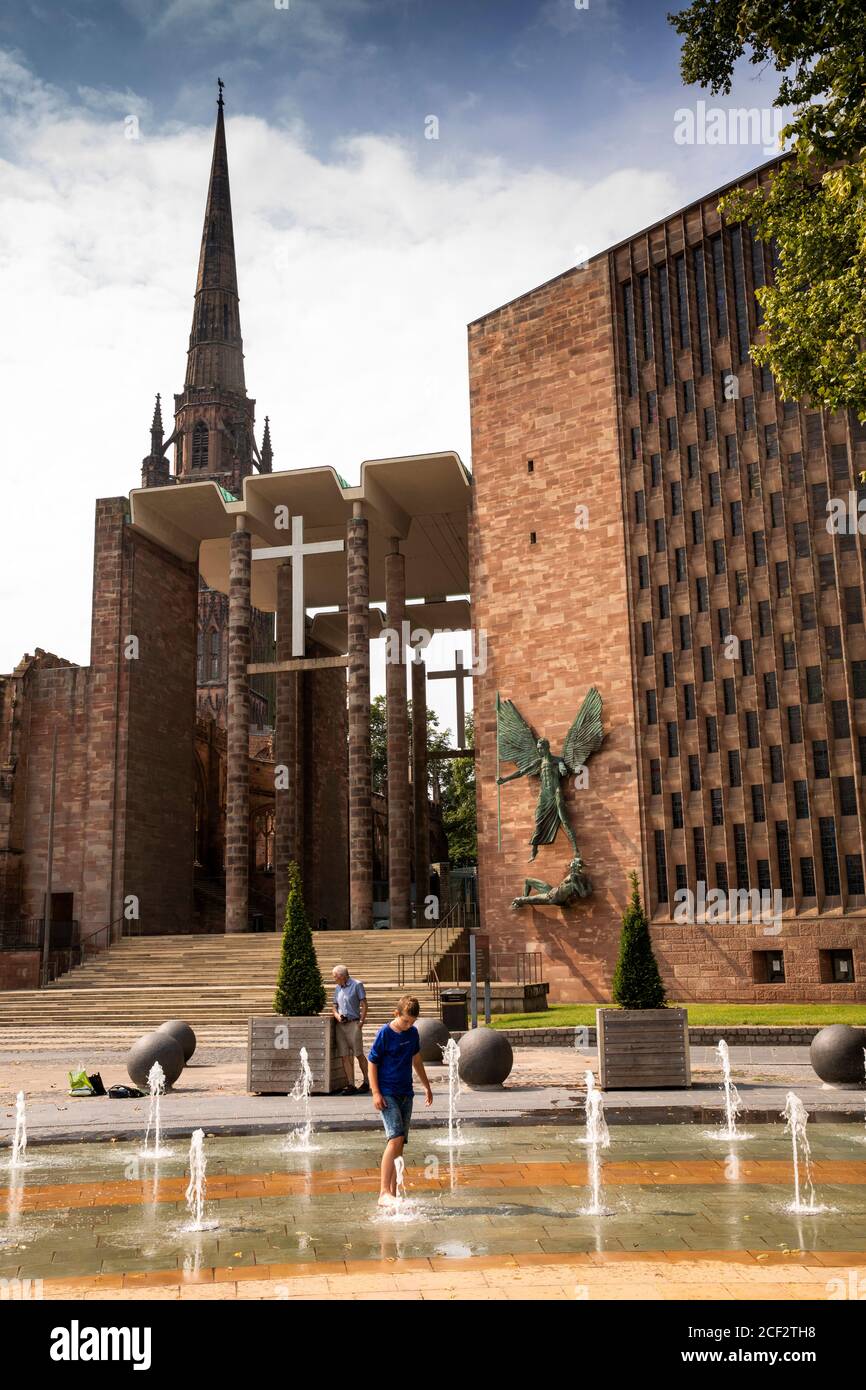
(181,1031)
(154,1047)
(836,1054)
(434,1036)
(486,1057)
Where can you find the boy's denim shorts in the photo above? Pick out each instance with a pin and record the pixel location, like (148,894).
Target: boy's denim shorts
(396,1116)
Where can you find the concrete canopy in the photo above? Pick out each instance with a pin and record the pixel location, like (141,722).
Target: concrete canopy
(422,499)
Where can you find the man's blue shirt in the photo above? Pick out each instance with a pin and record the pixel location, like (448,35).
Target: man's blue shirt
(347,999)
(393,1052)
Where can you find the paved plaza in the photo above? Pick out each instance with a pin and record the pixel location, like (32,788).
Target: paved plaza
(547,1084)
(502,1216)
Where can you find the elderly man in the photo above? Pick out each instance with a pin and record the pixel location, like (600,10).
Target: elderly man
(350,1011)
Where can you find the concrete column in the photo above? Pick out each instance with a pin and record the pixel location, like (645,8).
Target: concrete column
(288,789)
(238,735)
(398,742)
(360,775)
(419,784)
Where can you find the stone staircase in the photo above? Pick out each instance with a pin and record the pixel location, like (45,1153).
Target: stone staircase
(216,982)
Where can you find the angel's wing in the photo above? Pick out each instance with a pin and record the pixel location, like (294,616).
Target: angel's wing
(516,739)
(586,733)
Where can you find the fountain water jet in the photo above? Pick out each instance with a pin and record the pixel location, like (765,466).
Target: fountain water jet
(156,1088)
(399,1183)
(597,1138)
(733,1103)
(451,1057)
(195,1192)
(19,1141)
(300,1139)
(797,1117)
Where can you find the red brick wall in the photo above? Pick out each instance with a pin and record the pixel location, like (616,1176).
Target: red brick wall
(555,612)
(19,969)
(124,803)
(159,842)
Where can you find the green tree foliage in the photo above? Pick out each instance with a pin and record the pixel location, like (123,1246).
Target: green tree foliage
(300,991)
(455,777)
(637,983)
(458,804)
(814,210)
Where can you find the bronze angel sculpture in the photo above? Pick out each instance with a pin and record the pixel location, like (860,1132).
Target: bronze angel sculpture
(533,758)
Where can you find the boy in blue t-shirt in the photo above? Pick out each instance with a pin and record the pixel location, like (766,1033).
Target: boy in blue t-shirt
(395,1051)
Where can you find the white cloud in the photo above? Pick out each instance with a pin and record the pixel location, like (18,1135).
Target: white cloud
(358,274)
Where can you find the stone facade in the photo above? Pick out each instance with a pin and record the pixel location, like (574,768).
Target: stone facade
(124,818)
(738,765)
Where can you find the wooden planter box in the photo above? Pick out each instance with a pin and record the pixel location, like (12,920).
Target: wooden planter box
(642,1049)
(273,1047)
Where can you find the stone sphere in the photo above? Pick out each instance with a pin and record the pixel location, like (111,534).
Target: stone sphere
(154,1047)
(180,1029)
(836,1054)
(486,1057)
(434,1036)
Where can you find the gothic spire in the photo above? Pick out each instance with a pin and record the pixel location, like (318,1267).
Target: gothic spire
(215,347)
(267,455)
(156,430)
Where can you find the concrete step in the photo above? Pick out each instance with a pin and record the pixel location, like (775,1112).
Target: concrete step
(214,981)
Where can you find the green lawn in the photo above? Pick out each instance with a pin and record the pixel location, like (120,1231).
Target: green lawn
(704,1015)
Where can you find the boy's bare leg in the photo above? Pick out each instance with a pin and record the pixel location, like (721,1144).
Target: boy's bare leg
(388,1184)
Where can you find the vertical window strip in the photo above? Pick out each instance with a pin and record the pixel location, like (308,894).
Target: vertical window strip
(719,286)
(630,346)
(665,312)
(703,313)
(740,303)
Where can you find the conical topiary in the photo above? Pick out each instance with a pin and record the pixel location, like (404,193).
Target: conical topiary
(300,991)
(637,983)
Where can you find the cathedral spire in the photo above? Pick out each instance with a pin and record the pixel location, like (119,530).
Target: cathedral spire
(215,348)
(214,418)
(155,467)
(267,454)
(156,430)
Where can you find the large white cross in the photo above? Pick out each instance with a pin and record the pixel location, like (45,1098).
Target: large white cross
(296,552)
(459,675)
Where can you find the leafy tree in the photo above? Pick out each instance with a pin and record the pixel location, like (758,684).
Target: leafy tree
(458,804)
(813,211)
(637,983)
(300,991)
(455,776)
(437,740)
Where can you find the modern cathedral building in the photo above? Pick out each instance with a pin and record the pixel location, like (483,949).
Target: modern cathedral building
(651,518)
(644,516)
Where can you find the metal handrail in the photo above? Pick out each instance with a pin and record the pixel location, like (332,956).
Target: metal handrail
(431,948)
(500,967)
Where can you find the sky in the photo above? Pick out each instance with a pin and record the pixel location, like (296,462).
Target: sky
(398,168)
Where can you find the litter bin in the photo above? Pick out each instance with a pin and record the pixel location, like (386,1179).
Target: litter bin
(258,921)
(455,1012)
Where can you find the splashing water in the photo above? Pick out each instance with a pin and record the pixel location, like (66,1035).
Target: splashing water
(300,1139)
(196,1189)
(156,1089)
(19,1141)
(597,1138)
(797,1117)
(733,1101)
(399,1183)
(451,1058)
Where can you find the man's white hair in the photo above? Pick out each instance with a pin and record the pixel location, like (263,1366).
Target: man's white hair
(339,970)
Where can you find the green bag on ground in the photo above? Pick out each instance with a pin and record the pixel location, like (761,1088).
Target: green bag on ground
(79,1084)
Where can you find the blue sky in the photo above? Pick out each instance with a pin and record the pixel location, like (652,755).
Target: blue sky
(364,247)
(538,81)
